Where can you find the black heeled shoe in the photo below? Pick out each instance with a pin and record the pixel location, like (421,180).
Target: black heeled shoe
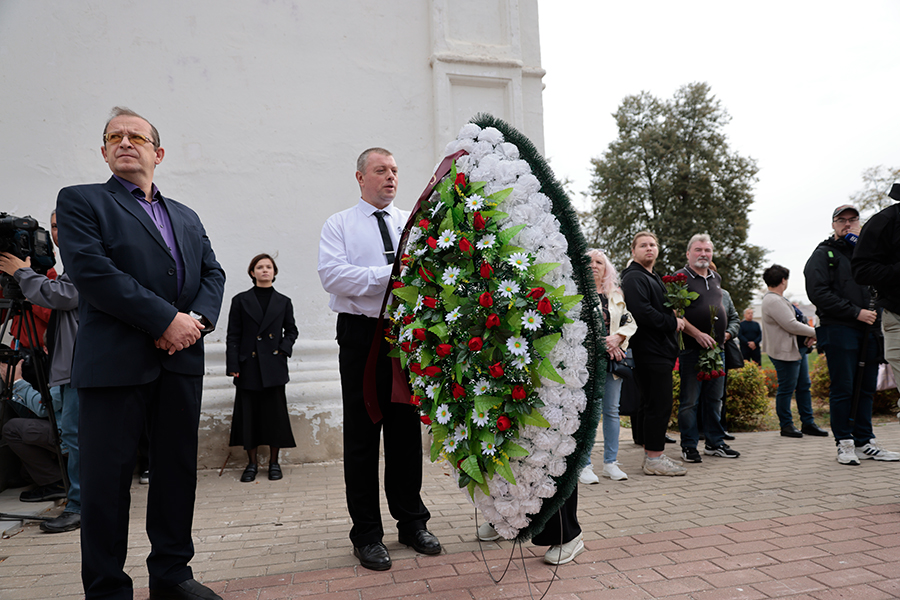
(249,473)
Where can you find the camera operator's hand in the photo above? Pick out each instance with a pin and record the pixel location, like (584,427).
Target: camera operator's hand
(10,263)
(181,333)
(16,371)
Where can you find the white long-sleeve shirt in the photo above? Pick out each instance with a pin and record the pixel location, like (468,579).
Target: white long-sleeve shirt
(352,264)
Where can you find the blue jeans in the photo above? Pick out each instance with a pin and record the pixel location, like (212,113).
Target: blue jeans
(69,428)
(694,392)
(612,391)
(793,376)
(841,345)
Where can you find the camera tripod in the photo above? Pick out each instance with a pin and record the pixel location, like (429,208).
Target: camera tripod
(27,330)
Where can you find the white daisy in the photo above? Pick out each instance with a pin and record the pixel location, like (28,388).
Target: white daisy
(461,433)
(508,288)
(420,251)
(437,208)
(522,361)
(418,305)
(482,387)
(479,418)
(486,241)
(452,315)
(432,390)
(519,260)
(443,414)
(450,445)
(531,320)
(488,448)
(517,345)
(401,310)
(474,202)
(446,239)
(450,276)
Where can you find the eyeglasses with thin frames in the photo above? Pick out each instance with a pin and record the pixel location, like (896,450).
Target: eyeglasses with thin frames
(843,221)
(116,137)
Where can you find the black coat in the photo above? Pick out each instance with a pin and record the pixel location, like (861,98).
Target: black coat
(257,346)
(830,285)
(645,294)
(876,261)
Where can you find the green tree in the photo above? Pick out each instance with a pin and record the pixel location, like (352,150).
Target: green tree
(877,183)
(671,171)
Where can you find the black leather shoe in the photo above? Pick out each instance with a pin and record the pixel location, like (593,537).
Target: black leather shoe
(249,473)
(275,472)
(728,437)
(68,521)
(374,556)
(791,431)
(669,439)
(422,541)
(813,429)
(186,590)
(42,493)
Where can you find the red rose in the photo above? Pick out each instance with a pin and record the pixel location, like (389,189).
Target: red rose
(444,350)
(407,319)
(478,222)
(681,278)
(460,179)
(459,463)
(486,300)
(465,245)
(503,423)
(408,346)
(486,270)
(419,334)
(721,373)
(397,284)
(518,393)
(424,224)
(458,391)
(492,321)
(475,344)
(699,376)
(432,243)
(432,371)
(416,368)
(536,293)
(544,307)
(425,419)
(426,274)
(429,302)
(496,370)
(668,279)
(404,259)
(416,400)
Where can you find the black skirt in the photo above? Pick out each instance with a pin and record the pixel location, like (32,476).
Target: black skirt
(261,418)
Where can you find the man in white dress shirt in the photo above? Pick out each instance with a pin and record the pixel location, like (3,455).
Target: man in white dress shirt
(356,256)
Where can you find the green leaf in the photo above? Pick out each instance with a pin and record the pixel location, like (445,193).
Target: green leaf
(543,345)
(470,466)
(513,320)
(504,470)
(459,215)
(513,449)
(541,269)
(546,370)
(569,301)
(500,195)
(475,187)
(486,403)
(440,330)
(436,450)
(447,223)
(440,432)
(459,372)
(409,294)
(534,418)
(508,234)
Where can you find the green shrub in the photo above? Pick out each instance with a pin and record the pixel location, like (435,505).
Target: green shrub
(884,402)
(771,381)
(747,401)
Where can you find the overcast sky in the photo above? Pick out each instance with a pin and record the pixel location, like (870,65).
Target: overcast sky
(812,89)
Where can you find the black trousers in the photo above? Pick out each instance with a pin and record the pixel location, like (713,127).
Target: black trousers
(110,427)
(33,442)
(402,441)
(562,527)
(652,419)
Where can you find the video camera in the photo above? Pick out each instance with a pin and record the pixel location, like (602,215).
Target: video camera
(24,238)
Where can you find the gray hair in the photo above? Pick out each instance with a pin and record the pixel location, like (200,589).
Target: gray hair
(363,161)
(121,111)
(700,237)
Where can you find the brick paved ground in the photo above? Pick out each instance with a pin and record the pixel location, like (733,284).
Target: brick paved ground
(783,521)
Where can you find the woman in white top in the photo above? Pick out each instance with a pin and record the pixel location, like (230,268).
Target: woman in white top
(620,326)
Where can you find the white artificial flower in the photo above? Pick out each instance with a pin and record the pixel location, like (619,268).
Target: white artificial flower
(451,275)
(479,418)
(519,260)
(473,203)
(469,131)
(452,315)
(418,305)
(461,433)
(401,310)
(486,241)
(482,387)
(531,320)
(490,134)
(443,414)
(446,239)
(450,445)
(488,448)
(517,345)
(432,390)
(414,234)
(437,208)
(508,288)
(520,362)
(418,252)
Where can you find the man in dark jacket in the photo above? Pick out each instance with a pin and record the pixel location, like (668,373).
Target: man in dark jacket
(842,306)
(876,262)
(654,352)
(750,335)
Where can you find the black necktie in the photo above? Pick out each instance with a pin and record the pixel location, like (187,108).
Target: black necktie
(385,237)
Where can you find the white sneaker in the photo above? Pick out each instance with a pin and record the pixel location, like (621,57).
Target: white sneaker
(662,466)
(560,555)
(613,471)
(587,475)
(846,453)
(873,450)
(487,533)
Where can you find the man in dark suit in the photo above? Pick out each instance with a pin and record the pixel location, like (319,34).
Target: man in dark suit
(149,286)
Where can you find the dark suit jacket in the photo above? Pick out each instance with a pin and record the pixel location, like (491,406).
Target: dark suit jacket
(126,280)
(257,345)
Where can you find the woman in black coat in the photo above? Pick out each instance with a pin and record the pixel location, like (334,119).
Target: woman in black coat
(261,336)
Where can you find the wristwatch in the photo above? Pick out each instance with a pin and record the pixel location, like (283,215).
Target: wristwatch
(207,326)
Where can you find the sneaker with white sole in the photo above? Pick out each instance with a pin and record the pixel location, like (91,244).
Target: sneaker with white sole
(487,533)
(613,471)
(846,452)
(587,476)
(560,555)
(662,466)
(873,450)
(723,450)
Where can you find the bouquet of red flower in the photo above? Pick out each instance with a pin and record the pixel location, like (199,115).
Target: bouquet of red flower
(678,297)
(711,366)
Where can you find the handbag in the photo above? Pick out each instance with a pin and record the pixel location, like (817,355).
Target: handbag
(630,398)
(733,357)
(624,369)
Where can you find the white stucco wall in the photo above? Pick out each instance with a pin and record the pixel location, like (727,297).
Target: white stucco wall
(262,107)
